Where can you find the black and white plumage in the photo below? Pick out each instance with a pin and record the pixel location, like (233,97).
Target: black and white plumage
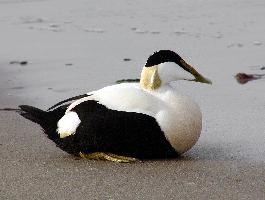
(142,120)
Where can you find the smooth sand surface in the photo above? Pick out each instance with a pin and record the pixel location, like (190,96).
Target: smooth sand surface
(73,47)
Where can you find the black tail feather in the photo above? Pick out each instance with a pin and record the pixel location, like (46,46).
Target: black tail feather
(35,115)
(47,120)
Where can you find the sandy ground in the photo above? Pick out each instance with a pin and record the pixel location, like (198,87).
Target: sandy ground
(76,46)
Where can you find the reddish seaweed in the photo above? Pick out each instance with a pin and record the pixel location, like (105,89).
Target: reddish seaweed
(243,78)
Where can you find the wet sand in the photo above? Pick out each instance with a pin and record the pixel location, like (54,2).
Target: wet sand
(86,45)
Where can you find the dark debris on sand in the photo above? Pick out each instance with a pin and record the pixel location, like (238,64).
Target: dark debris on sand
(243,78)
(24,62)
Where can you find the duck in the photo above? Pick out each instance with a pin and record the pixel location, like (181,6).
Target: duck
(129,121)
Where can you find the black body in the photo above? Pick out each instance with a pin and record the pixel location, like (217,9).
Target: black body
(104,130)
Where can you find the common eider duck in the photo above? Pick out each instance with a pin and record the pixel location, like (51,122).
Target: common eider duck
(128,121)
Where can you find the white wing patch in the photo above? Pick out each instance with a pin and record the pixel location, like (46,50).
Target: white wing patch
(68,124)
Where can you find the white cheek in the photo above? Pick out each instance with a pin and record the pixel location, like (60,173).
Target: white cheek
(68,124)
(170,71)
(183,74)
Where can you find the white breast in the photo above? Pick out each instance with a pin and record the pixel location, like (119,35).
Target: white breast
(178,116)
(181,122)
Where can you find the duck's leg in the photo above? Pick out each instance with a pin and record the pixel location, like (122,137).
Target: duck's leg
(107,156)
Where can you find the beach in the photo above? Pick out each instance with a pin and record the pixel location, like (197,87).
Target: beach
(53,50)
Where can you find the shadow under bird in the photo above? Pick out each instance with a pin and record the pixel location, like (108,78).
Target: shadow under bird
(128,121)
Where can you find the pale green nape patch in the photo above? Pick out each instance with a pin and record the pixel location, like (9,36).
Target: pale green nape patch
(150,79)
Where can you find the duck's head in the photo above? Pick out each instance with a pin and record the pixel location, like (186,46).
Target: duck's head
(165,66)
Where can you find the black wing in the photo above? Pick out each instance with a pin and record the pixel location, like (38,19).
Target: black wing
(124,133)
(68,100)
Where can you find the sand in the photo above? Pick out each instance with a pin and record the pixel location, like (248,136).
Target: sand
(73,47)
